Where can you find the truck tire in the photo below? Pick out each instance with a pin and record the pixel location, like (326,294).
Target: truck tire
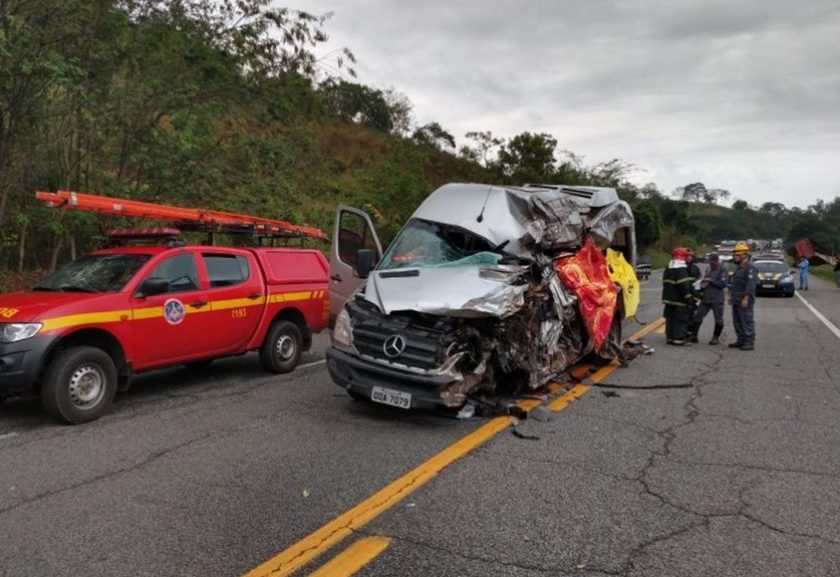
(280,352)
(79,385)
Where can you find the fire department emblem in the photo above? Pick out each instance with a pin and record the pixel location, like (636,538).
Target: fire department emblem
(173,311)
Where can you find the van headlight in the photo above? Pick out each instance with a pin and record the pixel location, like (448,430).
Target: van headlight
(342,335)
(14,332)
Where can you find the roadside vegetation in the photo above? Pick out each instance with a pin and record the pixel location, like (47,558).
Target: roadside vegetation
(231,105)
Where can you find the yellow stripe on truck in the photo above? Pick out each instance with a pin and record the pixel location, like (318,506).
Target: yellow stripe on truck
(236,303)
(157,311)
(290,297)
(86,319)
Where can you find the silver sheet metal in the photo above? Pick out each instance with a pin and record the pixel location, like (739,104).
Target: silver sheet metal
(466,292)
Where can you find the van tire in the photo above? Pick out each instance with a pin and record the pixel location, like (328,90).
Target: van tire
(79,385)
(281,349)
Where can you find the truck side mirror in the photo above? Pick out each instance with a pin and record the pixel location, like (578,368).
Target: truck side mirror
(364,262)
(154,286)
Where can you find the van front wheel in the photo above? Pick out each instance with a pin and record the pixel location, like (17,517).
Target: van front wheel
(281,349)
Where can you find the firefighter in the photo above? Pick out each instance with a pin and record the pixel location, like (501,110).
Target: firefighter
(677,298)
(742,297)
(713,284)
(695,273)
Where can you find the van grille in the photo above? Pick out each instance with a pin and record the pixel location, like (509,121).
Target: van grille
(423,344)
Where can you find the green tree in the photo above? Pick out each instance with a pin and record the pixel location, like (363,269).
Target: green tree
(529,157)
(648,223)
(434,135)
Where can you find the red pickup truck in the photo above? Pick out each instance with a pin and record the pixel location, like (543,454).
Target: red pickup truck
(80,334)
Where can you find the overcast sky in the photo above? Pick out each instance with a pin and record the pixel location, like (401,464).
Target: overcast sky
(743,96)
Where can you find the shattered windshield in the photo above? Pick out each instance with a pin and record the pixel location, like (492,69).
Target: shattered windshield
(426,244)
(94,273)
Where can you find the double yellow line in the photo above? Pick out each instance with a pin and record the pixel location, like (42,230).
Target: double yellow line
(364,550)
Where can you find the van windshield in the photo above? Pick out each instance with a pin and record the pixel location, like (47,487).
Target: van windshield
(424,243)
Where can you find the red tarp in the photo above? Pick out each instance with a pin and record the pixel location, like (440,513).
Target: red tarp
(586,274)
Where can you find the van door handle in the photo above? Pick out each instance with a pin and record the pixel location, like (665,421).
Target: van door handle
(336,277)
(254,296)
(198,304)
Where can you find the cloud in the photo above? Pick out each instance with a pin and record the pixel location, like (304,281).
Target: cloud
(742,95)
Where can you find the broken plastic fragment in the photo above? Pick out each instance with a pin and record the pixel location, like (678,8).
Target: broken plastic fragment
(540,413)
(466,412)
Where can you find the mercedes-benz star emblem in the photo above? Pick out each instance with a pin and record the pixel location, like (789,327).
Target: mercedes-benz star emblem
(393,346)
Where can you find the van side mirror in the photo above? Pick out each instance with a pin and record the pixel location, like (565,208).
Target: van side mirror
(364,262)
(154,286)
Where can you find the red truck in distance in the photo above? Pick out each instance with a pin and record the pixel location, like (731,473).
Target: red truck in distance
(80,334)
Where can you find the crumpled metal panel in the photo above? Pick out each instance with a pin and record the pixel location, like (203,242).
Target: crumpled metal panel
(465,292)
(551,219)
(608,220)
(525,218)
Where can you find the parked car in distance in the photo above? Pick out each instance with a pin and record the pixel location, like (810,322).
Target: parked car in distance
(774,278)
(643,267)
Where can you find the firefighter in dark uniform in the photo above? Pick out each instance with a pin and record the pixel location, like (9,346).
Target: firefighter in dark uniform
(677,298)
(713,284)
(742,297)
(695,273)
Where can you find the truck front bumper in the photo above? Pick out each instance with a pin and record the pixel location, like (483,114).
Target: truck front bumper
(359,376)
(21,364)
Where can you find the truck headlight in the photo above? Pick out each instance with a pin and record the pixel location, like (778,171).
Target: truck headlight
(14,332)
(342,335)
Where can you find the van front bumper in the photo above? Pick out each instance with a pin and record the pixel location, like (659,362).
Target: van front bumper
(359,376)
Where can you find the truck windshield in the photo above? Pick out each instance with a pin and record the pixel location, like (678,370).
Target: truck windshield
(425,244)
(94,273)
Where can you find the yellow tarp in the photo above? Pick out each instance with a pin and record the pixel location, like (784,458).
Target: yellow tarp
(623,275)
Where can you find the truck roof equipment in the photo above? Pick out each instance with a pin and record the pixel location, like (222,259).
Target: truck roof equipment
(181,218)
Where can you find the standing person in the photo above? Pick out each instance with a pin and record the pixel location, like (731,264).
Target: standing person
(695,273)
(713,283)
(742,298)
(804,266)
(676,296)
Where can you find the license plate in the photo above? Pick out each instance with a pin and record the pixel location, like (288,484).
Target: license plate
(391,397)
(768,285)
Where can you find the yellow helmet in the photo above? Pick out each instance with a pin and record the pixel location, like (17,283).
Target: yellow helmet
(741,247)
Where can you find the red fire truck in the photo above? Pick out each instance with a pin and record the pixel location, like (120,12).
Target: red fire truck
(79,335)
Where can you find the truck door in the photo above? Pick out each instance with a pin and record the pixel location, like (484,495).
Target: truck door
(236,298)
(171,326)
(353,231)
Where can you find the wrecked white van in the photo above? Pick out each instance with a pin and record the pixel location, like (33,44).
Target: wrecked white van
(466,301)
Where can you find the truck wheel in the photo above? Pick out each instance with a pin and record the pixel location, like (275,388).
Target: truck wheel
(281,349)
(79,385)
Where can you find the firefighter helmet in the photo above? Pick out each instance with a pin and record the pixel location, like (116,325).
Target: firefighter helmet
(741,247)
(680,253)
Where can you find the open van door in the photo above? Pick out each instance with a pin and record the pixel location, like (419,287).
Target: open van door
(353,231)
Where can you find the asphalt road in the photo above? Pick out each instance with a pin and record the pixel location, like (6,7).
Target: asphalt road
(695,461)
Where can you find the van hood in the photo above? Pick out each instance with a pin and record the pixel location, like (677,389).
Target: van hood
(470,291)
(21,307)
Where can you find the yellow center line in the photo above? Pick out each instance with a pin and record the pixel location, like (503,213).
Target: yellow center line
(353,558)
(317,543)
